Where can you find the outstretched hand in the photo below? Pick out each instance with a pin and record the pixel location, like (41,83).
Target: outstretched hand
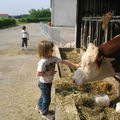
(78,65)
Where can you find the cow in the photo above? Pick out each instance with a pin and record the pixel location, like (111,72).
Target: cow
(99,62)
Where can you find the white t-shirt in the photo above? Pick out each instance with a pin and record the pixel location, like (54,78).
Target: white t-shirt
(24,34)
(47,64)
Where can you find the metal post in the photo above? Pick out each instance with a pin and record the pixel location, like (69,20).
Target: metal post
(78,24)
(106,34)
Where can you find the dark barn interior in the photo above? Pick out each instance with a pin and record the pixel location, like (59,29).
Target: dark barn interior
(89,18)
(99,7)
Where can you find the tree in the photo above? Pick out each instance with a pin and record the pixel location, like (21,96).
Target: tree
(40,15)
(43,13)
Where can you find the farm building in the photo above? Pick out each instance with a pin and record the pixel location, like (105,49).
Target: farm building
(90,18)
(4,16)
(87,16)
(63,12)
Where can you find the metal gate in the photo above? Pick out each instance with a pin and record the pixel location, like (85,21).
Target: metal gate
(91,30)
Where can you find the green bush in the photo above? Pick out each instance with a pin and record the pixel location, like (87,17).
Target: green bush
(6,22)
(43,15)
(35,20)
(22,20)
(40,13)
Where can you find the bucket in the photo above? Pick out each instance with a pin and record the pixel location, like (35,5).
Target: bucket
(102,100)
(118,107)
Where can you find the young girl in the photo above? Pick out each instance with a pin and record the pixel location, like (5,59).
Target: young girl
(46,72)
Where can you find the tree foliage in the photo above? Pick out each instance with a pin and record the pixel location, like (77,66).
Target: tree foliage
(40,15)
(7,22)
(43,13)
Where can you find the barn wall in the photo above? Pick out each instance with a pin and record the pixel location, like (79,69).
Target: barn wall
(63,12)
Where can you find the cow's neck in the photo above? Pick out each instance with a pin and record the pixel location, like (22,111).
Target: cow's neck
(106,69)
(116,65)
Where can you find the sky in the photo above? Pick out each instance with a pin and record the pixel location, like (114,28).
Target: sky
(18,7)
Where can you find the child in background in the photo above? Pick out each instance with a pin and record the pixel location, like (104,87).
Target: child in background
(46,72)
(25,37)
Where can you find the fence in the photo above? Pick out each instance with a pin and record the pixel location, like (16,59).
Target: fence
(91,30)
(52,33)
(62,36)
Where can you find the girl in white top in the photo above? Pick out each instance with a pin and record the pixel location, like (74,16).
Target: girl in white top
(46,72)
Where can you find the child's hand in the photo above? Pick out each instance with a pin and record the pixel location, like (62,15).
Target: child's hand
(78,65)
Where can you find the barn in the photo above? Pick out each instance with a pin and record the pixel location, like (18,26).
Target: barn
(86,17)
(63,12)
(89,21)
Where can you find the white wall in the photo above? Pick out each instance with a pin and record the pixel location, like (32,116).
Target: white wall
(63,12)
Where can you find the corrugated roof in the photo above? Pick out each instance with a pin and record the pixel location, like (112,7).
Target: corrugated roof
(4,15)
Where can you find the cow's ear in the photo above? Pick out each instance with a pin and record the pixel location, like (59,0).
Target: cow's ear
(94,56)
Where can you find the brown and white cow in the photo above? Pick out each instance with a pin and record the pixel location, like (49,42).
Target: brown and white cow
(100,62)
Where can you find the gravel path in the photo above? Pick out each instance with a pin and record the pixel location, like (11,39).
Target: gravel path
(18,81)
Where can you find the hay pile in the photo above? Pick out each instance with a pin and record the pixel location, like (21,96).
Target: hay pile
(84,97)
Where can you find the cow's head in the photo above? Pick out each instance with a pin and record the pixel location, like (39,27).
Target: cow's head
(90,69)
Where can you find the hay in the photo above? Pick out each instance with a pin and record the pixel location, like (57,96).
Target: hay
(84,97)
(105,20)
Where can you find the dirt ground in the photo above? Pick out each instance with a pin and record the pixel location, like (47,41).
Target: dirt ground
(18,81)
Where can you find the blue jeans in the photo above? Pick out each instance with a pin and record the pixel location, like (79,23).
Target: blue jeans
(45,98)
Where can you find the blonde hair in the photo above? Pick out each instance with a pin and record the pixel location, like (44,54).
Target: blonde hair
(44,47)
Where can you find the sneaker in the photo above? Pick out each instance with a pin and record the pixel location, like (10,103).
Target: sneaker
(25,48)
(48,117)
(38,110)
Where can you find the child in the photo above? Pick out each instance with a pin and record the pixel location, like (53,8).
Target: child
(25,37)
(46,72)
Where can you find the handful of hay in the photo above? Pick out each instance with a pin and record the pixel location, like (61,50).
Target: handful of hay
(106,18)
